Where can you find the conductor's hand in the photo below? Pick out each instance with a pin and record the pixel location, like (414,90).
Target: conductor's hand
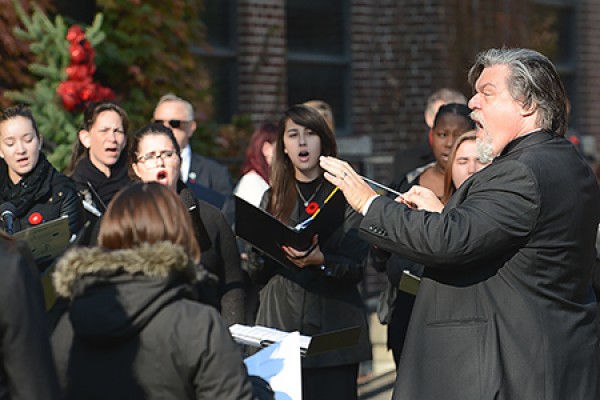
(423,199)
(341,174)
(311,257)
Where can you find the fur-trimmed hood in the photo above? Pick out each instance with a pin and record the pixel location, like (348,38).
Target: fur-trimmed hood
(115,294)
(154,261)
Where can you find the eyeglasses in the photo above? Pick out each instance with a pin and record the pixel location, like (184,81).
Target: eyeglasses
(173,123)
(164,155)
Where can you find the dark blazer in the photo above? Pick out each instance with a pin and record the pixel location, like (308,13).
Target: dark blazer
(504,310)
(208,172)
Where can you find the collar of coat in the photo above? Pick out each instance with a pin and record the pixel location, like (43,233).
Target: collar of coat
(155,260)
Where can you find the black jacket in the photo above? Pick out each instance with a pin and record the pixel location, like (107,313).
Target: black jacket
(314,300)
(41,196)
(133,329)
(221,260)
(96,189)
(27,370)
(504,309)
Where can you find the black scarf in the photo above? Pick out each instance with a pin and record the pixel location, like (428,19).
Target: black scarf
(34,186)
(106,187)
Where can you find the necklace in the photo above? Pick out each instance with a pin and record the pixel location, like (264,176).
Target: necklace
(305,201)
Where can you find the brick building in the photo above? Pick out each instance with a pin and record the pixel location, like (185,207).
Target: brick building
(376,61)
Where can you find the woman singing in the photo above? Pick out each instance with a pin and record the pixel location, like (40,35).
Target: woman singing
(321,295)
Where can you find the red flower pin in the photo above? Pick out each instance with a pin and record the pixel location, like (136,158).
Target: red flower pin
(311,208)
(35,218)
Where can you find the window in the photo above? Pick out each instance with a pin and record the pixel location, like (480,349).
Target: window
(220,56)
(554,36)
(318,42)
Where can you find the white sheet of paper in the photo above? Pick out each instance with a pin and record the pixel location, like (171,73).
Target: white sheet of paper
(279,364)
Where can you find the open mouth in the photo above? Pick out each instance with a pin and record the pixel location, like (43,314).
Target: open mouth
(111,150)
(23,160)
(161,177)
(303,155)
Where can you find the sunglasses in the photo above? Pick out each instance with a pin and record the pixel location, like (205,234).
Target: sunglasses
(173,123)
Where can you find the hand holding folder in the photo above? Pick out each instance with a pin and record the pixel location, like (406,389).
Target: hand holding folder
(268,234)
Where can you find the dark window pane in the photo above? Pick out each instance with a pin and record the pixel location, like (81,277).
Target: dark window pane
(315,26)
(553,32)
(217,17)
(223,75)
(318,82)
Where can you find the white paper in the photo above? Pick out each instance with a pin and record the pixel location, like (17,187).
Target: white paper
(279,364)
(261,336)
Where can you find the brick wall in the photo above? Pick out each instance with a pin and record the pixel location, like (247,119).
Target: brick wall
(402,50)
(398,57)
(261,58)
(588,61)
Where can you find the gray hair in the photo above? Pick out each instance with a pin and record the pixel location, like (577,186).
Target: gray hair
(534,82)
(446,95)
(172,97)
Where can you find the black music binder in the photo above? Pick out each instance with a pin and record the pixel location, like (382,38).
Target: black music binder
(48,240)
(268,234)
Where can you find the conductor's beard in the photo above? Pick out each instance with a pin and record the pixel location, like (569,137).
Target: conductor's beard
(485,151)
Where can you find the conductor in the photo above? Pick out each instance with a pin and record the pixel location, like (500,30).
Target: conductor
(505,308)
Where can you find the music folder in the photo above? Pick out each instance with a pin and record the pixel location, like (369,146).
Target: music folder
(262,336)
(48,240)
(268,234)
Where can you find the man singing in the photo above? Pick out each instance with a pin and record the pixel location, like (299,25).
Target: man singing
(505,309)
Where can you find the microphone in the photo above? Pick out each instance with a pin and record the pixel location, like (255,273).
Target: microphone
(7,215)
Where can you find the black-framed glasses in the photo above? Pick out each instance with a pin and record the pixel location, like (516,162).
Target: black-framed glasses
(173,123)
(155,155)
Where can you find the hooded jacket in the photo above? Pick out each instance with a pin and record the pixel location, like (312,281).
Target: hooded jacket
(133,329)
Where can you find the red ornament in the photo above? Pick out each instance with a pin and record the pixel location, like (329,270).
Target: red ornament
(35,218)
(79,88)
(75,34)
(311,208)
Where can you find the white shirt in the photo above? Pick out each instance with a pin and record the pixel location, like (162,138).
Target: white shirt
(251,188)
(186,162)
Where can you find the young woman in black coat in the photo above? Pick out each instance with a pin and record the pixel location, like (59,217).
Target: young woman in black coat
(321,294)
(154,155)
(36,191)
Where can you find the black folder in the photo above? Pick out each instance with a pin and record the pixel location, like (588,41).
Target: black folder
(48,240)
(268,234)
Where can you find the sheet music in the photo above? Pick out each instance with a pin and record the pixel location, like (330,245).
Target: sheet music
(280,365)
(261,336)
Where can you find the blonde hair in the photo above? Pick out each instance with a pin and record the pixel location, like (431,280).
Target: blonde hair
(324,109)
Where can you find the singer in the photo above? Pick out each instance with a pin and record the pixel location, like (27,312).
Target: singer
(505,308)
(321,295)
(38,192)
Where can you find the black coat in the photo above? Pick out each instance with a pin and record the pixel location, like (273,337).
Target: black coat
(133,329)
(221,260)
(97,189)
(504,310)
(395,306)
(41,196)
(314,300)
(27,367)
